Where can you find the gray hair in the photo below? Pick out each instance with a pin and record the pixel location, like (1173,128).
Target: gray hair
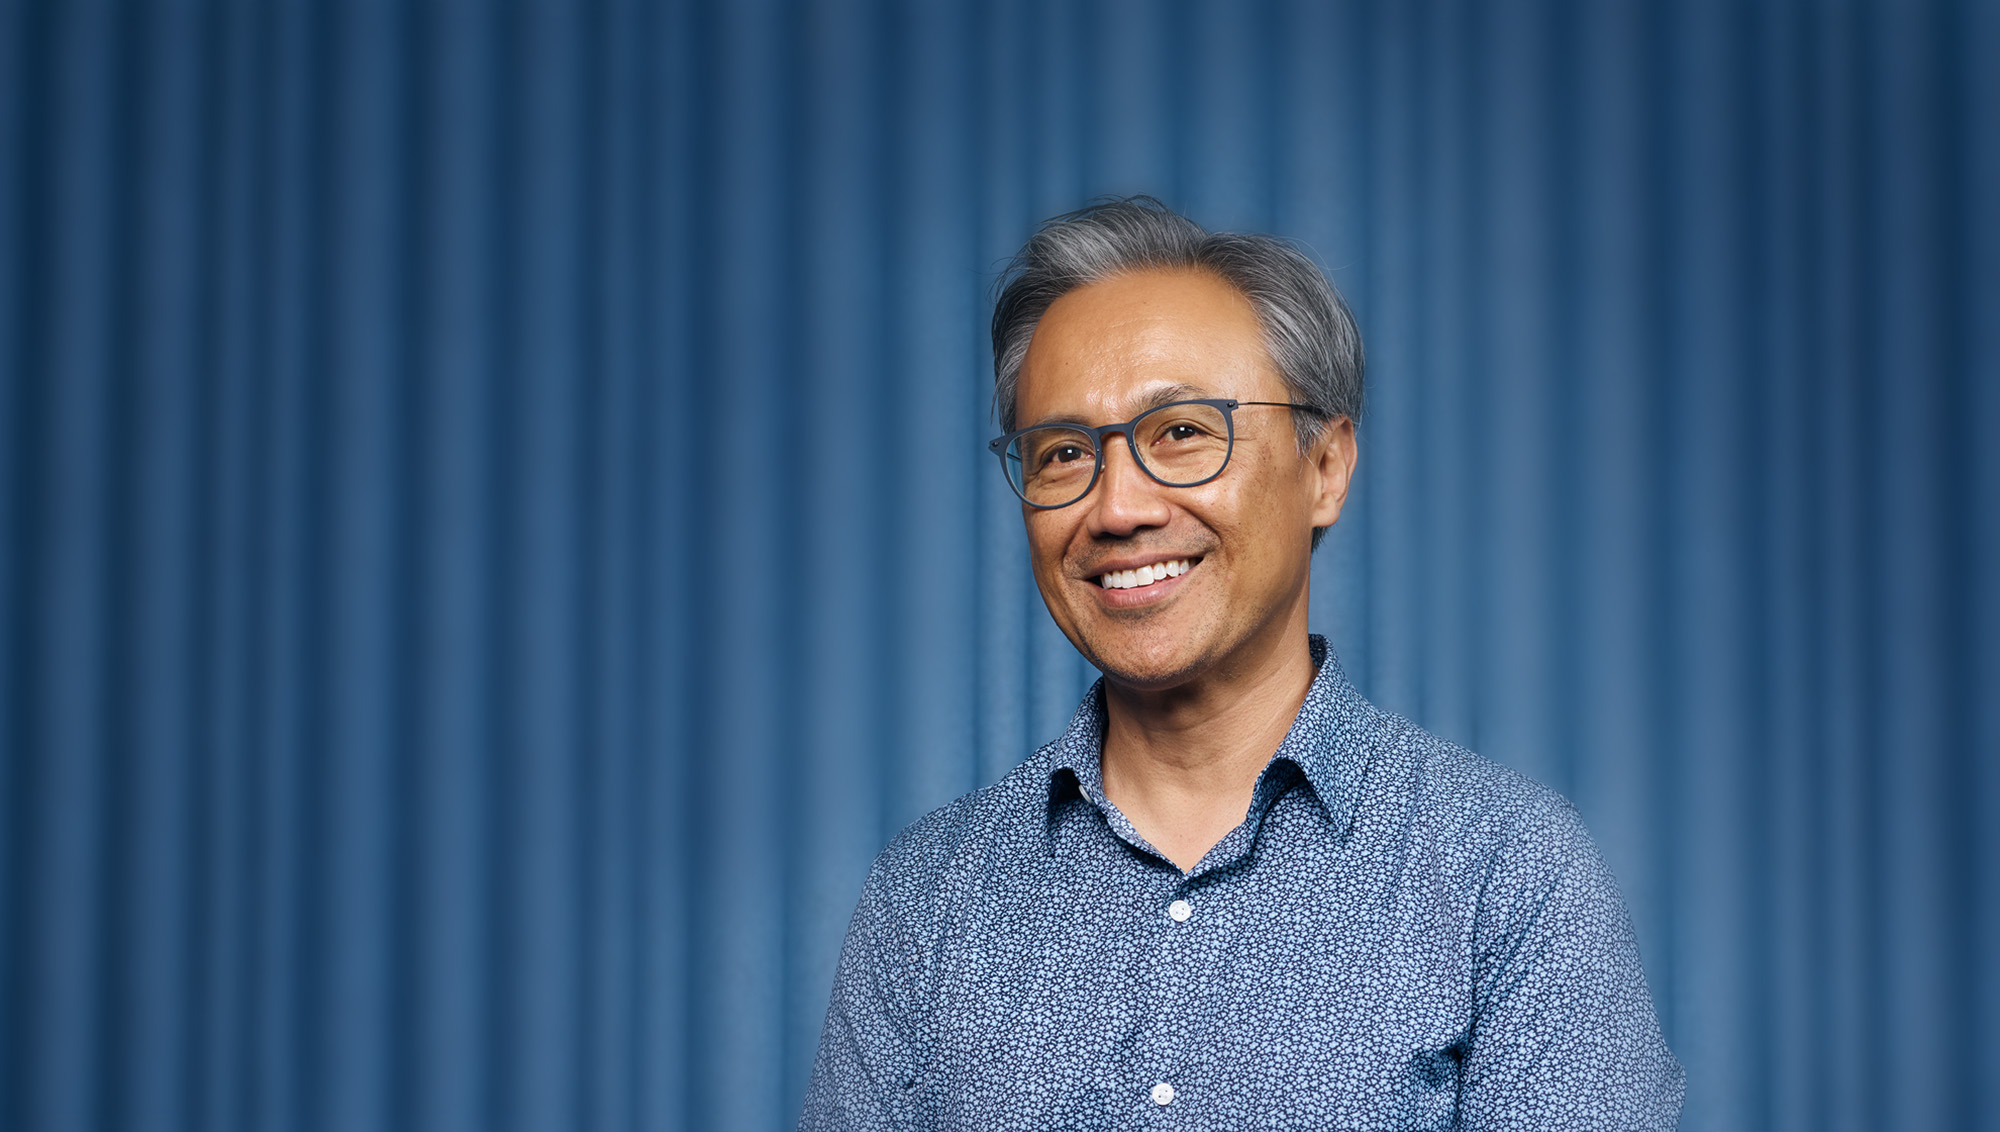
(1308,330)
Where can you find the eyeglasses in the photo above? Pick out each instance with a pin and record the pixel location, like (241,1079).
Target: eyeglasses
(1179,444)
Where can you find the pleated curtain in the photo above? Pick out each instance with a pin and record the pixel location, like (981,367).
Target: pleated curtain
(496,531)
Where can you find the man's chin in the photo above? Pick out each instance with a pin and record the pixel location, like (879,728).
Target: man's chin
(1143,668)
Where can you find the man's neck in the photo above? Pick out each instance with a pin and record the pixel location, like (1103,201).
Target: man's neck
(1181,764)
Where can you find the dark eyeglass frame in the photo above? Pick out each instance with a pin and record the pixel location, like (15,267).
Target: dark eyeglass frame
(1226,405)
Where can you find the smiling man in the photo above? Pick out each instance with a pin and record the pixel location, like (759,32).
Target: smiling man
(1233,894)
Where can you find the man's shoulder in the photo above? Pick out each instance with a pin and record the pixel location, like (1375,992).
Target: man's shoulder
(1459,793)
(993,826)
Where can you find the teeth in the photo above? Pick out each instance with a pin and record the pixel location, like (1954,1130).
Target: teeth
(1144,575)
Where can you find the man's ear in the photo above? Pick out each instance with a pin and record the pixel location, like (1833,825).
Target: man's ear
(1332,461)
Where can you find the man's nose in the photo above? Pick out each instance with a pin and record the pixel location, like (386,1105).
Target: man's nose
(1126,498)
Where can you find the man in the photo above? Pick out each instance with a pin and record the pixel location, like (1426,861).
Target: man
(1233,894)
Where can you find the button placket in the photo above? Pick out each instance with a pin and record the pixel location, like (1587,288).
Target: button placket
(1174,995)
(1177,965)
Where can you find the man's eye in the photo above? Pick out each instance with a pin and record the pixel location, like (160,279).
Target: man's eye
(1062,458)
(1181,432)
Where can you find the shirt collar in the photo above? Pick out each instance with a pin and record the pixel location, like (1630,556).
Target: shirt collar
(1325,742)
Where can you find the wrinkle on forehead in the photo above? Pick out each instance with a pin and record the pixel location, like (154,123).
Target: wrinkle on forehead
(1138,340)
(1153,398)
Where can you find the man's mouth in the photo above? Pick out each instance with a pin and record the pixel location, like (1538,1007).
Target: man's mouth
(1145,575)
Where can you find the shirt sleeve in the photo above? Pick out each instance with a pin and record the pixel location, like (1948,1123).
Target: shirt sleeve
(865,1075)
(1564,1035)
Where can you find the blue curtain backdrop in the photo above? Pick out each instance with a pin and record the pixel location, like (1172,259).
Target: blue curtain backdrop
(497,531)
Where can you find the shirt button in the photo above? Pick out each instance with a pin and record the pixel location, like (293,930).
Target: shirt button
(1163,1094)
(1179,910)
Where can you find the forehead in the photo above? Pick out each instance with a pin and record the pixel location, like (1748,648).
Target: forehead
(1100,349)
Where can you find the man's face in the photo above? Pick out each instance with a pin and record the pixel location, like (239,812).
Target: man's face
(1110,351)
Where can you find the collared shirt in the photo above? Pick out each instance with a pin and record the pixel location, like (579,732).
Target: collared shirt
(1401,934)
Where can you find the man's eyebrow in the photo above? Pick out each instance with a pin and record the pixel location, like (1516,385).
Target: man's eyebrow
(1165,394)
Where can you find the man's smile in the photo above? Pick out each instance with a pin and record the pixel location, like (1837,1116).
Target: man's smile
(1146,574)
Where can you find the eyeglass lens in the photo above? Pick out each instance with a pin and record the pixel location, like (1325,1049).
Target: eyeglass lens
(1180,445)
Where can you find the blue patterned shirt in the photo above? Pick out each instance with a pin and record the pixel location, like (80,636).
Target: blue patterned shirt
(1401,934)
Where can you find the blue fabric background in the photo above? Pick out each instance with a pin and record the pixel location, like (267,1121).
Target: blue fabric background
(497,531)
